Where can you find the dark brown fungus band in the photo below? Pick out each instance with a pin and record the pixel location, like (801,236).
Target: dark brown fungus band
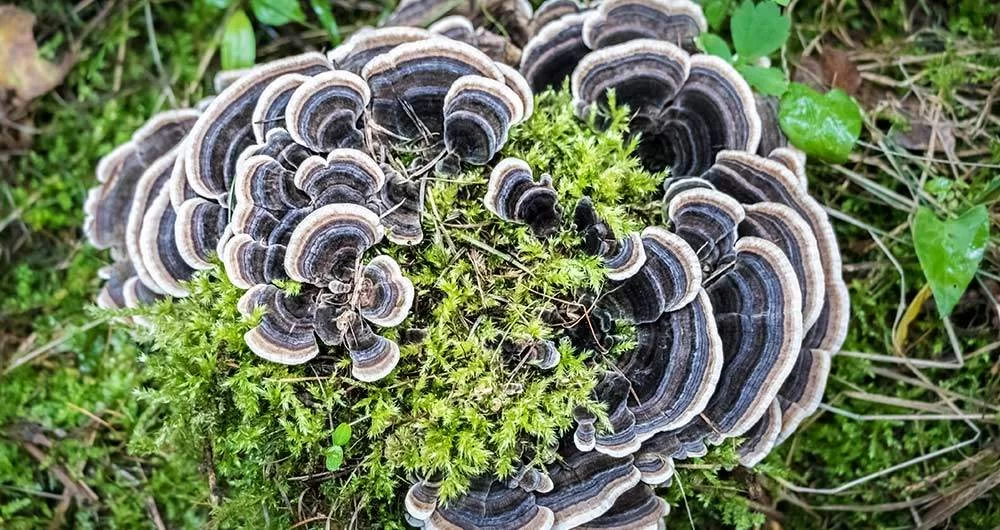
(639,508)
(707,220)
(115,277)
(586,485)
(248,262)
(618,21)
(285,333)
(531,480)
(200,223)
(328,243)
(620,440)
(222,132)
(585,434)
(158,249)
(655,459)
(489,504)
(513,195)
(771,136)
(254,221)
(674,367)
(109,203)
(410,82)
(147,189)
(345,176)
(372,356)
(478,113)
(645,74)
(269,111)
(669,280)
(324,112)
(262,181)
(278,145)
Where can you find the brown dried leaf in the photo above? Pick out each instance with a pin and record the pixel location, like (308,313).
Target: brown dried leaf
(21,67)
(924,130)
(830,69)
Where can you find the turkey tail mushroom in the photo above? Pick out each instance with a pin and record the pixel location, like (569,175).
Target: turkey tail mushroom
(285,333)
(385,295)
(586,485)
(324,112)
(513,195)
(478,113)
(637,509)
(345,176)
(328,243)
(618,21)
(622,258)
(554,51)
(366,44)
(707,220)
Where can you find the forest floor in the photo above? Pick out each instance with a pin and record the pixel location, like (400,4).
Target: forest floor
(907,436)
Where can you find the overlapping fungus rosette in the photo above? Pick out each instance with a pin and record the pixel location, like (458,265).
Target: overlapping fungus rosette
(292,175)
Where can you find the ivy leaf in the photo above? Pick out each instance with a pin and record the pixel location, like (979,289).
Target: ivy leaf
(239,46)
(769,81)
(715,12)
(277,12)
(758,30)
(342,434)
(325,15)
(823,125)
(334,457)
(950,251)
(713,44)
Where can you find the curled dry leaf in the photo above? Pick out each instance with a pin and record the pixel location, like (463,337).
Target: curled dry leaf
(831,69)
(22,69)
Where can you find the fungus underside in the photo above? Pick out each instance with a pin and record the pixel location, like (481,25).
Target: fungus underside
(458,404)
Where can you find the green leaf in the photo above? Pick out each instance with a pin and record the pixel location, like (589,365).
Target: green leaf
(823,125)
(769,81)
(277,12)
(239,46)
(950,251)
(715,12)
(334,457)
(342,434)
(715,45)
(325,16)
(218,4)
(758,30)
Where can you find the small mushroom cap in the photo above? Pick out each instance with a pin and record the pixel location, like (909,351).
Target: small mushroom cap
(421,499)
(707,220)
(585,435)
(751,179)
(645,74)
(478,112)
(553,52)
(530,479)
(200,224)
(714,110)
(758,312)
(793,159)
(109,203)
(365,44)
(520,86)
(550,11)
(285,333)
(455,27)
(513,195)
(222,132)
(673,186)
(490,504)
(248,262)
(262,181)
(678,22)
(629,257)
(372,356)
(670,279)
(324,112)
(410,82)
(180,191)
(269,112)
(158,248)
(224,78)
(761,438)
(543,354)
(586,485)
(655,458)
(421,13)
(115,276)
(385,296)
(674,368)
(327,244)
(637,509)
(345,176)
(254,221)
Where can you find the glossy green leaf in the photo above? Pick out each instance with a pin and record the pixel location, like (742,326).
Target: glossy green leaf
(334,457)
(758,29)
(342,434)
(713,44)
(239,46)
(769,81)
(823,125)
(218,4)
(277,12)
(325,15)
(715,12)
(950,251)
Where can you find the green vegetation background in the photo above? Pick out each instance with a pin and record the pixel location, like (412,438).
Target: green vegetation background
(75,412)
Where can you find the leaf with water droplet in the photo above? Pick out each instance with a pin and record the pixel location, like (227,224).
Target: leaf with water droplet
(950,251)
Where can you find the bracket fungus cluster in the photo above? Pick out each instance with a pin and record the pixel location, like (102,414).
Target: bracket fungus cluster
(736,296)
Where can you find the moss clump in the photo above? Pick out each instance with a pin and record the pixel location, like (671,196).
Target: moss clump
(457,405)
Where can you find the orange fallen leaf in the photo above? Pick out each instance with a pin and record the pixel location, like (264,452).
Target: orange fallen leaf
(22,69)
